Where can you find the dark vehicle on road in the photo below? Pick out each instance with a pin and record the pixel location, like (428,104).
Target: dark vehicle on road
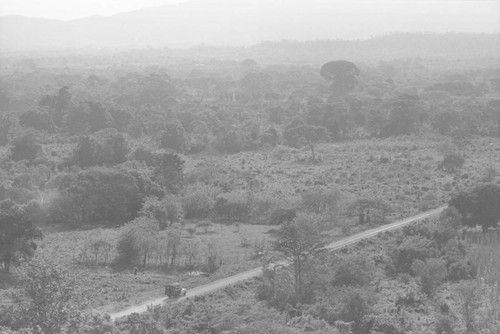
(174,290)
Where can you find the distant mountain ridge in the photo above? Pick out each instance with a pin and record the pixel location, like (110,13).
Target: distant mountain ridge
(209,22)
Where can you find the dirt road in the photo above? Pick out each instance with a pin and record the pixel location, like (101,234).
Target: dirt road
(222,283)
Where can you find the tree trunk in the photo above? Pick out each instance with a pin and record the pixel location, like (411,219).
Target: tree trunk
(6,262)
(298,279)
(311,146)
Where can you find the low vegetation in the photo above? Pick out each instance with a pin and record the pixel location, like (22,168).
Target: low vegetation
(115,182)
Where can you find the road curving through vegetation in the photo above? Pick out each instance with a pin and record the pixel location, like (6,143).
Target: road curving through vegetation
(252,273)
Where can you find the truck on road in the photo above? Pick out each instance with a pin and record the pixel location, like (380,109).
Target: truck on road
(174,290)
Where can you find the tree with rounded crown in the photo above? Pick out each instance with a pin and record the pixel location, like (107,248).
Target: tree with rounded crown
(342,74)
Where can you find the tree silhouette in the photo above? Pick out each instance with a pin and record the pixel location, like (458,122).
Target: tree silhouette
(479,206)
(17,234)
(342,74)
(299,239)
(305,134)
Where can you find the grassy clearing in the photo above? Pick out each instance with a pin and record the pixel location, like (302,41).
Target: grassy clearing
(403,171)
(110,290)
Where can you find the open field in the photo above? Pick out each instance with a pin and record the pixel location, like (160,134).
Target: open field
(110,289)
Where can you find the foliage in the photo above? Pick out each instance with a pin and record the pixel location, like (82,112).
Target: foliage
(432,273)
(479,205)
(56,104)
(198,201)
(451,162)
(281,215)
(468,294)
(351,271)
(165,211)
(107,147)
(349,305)
(321,202)
(25,147)
(99,195)
(410,249)
(168,170)
(17,234)
(342,73)
(5,126)
(135,244)
(305,134)
(444,324)
(298,240)
(369,210)
(233,207)
(45,302)
(229,141)
(38,120)
(212,257)
(173,138)
(257,83)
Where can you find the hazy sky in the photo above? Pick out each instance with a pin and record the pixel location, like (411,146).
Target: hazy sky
(71,9)
(394,15)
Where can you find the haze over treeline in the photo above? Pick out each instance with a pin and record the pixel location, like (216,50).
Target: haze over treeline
(451,46)
(244,23)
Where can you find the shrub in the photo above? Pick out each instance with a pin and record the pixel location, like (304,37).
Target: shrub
(277,289)
(25,147)
(432,273)
(46,300)
(229,141)
(369,210)
(461,270)
(451,162)
(99,195)
(280,152)
(233,207)
(168,170)
(412,248)
(107,147)
(198,201)
(386,323)
(262,206)
(165,212)
(38,120)
(356,303)
(281,215)
(444,324)
(479,205)
(321,202)
(352,271)
(213,259)
(173,138)
(135,243)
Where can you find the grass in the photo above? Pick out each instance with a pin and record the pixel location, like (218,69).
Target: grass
(109,290)
(485,253)
(401,171)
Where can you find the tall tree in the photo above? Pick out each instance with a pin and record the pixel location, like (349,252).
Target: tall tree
(298,240)
(342,74)
(168,170)
(17,234)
